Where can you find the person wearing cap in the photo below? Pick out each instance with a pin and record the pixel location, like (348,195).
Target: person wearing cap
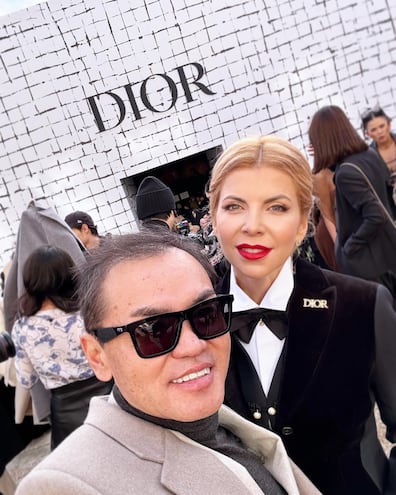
(84,228)
(163,429)
(155,204)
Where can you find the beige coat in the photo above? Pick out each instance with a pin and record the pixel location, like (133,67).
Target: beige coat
(116,453)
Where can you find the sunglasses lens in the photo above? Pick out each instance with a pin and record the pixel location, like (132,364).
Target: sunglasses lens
(159,334)
(156,336)
(209,319)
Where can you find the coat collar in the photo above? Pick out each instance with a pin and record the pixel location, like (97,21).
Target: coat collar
(311,314)
(181,457)
(41,209)
(178,455)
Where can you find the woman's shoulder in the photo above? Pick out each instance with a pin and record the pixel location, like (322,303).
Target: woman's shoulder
(323,181)
(369,155)
(325,176)
(52,316)
(311,275)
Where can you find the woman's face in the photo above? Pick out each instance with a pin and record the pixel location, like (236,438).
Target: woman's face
(258,223)
(378,129)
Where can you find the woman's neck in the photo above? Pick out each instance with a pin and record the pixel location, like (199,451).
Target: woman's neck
(47,304)
(256,290)
(387,152)
(388,144)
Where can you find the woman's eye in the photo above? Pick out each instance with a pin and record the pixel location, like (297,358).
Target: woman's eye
(279,208)
(231,207)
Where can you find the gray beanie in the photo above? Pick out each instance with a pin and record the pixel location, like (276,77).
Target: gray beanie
(153,197)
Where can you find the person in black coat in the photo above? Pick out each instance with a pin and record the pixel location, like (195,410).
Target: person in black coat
(365,212)
(156,205)
(312,349)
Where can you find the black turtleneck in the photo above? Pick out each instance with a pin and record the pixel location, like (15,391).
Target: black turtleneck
(208,432)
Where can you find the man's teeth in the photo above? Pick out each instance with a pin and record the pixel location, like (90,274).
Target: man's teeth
(192,376)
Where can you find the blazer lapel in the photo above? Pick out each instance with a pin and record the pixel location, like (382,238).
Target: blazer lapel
(311,316)
(184,460)
(272,450)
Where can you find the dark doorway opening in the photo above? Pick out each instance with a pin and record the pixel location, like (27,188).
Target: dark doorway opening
(186,177)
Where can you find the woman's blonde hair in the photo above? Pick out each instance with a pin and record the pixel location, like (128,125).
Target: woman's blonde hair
(263,151)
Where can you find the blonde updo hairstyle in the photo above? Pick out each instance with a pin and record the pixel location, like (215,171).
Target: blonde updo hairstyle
(263,151)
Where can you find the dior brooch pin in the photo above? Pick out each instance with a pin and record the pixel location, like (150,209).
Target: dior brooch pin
(315,303)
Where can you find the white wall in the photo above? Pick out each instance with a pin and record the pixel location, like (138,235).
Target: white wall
(270,64)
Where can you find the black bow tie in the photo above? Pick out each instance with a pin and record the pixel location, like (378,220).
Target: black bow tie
(244,322)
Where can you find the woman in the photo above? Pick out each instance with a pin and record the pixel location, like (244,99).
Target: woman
(296,368)
(47,340)
(366,236)
(376,125)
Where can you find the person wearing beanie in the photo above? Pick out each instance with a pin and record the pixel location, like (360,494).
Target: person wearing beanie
(84,228)
(155,204)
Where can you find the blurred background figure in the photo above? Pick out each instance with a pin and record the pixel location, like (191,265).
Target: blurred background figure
(84,228)
(14,438)
(365,213)
(156,205)
(47,340)
(208,239)
(39,225)
(376,125)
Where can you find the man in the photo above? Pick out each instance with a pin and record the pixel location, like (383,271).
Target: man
(166,344)
(84,228)
(155,205)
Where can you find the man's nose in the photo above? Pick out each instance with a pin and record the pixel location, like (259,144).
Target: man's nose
(189,343)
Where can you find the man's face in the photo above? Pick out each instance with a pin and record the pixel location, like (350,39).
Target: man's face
(82,234)
(168,282)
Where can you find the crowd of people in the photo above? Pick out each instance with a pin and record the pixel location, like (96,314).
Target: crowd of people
(252,338)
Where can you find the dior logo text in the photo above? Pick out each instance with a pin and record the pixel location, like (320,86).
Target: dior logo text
(158,93)
(315,303)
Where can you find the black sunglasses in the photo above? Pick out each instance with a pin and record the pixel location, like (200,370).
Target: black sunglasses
(160,334)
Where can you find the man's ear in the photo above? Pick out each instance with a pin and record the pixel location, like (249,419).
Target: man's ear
(96,356)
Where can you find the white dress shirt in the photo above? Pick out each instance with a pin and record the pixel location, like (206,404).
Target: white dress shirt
(264,347)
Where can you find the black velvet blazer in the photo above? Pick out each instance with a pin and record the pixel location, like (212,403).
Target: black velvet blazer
(339,357)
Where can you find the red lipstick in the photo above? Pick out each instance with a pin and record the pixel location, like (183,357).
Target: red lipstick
(253,252)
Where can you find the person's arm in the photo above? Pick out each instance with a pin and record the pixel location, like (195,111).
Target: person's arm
(385,372)
(330,226)
(353,186)
(324,190)
(54,482)
(25,372)
(385,360)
